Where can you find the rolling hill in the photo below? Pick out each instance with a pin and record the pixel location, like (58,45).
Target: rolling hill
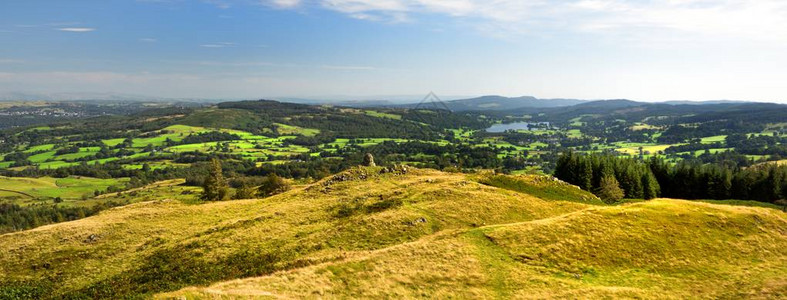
(500,103)
(405,232)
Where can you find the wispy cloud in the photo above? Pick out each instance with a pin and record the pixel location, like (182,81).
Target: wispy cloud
(282,3)
(76,29)
(11,61)
(219,3)
(233,64)
(51,24)
(219,45)
(148,40)
(348,68)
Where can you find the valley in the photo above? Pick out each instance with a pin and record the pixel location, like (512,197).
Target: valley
(73,163)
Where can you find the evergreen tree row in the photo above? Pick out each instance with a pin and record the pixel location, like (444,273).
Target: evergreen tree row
(608,177)
(602,174)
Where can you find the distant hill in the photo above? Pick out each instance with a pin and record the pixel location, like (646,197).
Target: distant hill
(609,104)
(499,103)
(529,104)
(686,102)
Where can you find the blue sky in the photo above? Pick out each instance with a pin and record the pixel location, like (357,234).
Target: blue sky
(591,49)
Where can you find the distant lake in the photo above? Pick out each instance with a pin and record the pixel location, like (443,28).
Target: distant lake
(497,128)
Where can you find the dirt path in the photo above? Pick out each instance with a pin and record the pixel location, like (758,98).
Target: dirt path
(17,192)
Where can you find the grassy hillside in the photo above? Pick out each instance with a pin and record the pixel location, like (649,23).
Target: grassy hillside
(656,249)
(416,233)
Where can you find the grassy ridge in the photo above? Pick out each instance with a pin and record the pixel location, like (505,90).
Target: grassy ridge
(369,232)
(656,249)
(176,245)
(544,187)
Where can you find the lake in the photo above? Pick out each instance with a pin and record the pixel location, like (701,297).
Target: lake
(497,128)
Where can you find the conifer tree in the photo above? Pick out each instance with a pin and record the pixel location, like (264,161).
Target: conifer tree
(610,191)
(586,176)
(650,187)
(215,187)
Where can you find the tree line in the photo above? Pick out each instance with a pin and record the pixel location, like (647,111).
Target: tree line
(607,176)
(638,179)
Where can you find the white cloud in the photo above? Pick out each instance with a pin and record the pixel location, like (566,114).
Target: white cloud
(748,19)
(282,3)
(76,29)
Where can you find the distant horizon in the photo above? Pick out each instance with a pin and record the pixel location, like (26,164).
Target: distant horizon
(218,49)
(394,99)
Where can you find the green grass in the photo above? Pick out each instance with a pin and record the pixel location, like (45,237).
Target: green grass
(38,148)
(46,188)
(83,152)
(285,129)
(544,187)
(574,133)
(633,148)
(378,114)
(714,139)
(41,157)
(155,165)
(112,142)
(55,164)
(364,142)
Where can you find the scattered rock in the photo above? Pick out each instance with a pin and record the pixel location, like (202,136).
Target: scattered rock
(418,221)
(92,238)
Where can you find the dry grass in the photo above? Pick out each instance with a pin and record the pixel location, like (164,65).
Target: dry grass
(421,234)
(657,249)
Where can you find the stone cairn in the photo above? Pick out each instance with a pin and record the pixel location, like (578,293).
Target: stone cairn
(368,160)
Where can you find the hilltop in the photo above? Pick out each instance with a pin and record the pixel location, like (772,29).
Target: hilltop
(405,232)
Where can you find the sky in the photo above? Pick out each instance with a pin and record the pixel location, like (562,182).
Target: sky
(648,50)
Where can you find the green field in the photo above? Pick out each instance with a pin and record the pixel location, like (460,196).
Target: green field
(47,188)
(633,148)
(378,114)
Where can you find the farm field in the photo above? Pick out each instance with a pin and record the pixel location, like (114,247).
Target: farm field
(34,190)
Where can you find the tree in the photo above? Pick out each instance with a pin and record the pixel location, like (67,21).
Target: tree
(244,191)
(650,187)
(273,185)
(585,178)
(609,190)
(215,187)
